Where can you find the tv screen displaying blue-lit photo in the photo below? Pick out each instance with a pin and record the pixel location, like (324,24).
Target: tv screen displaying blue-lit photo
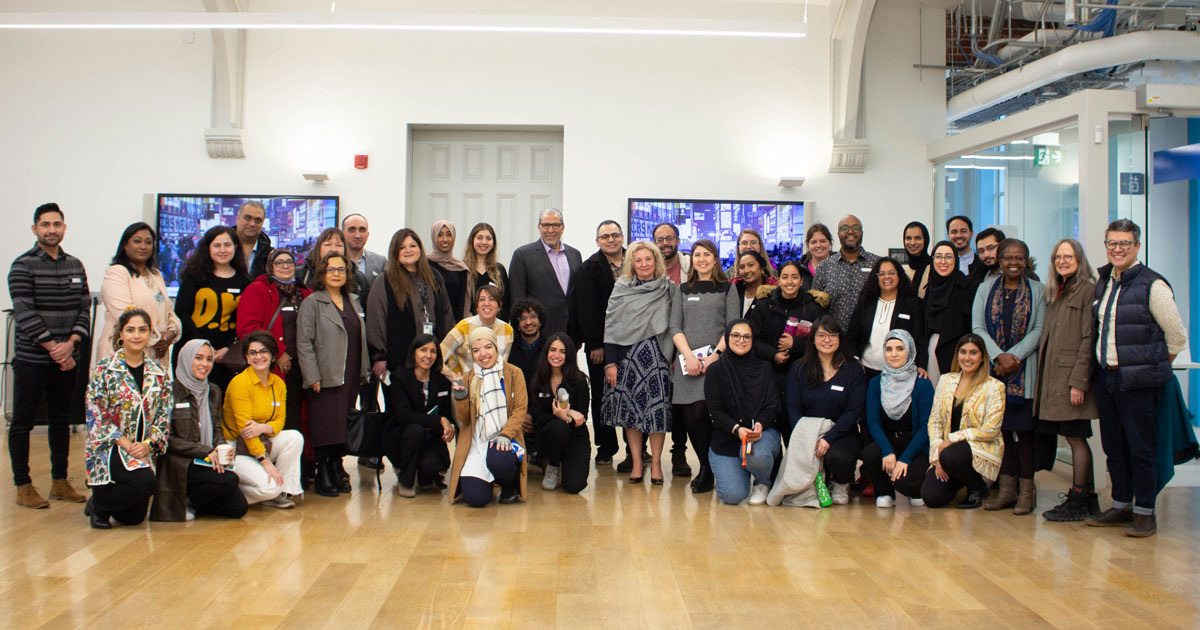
(780,223)
(292,222)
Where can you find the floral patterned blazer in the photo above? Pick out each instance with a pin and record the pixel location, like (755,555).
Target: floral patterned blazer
(116,409)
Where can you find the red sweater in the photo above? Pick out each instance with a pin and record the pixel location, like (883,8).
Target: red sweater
(257,306)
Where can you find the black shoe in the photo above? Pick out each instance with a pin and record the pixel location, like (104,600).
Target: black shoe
(625,466)
(94,518)
(374,463)
(679,464)
(974,499)
(1112,517)
(508,497)
(327,481)
(1093,504)
(603,460)
(1143,526)
(704,481)
(656,482)
(1073,508)
(344,485)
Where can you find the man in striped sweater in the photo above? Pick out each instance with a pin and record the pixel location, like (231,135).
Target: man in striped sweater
(49,291)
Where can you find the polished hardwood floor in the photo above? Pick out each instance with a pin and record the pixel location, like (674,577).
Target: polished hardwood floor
(615,556)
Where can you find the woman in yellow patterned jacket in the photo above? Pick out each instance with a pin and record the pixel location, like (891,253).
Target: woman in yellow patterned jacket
(965,447)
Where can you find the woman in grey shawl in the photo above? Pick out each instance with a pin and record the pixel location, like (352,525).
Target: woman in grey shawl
(638,351)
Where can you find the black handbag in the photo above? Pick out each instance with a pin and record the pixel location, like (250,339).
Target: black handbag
(364,435)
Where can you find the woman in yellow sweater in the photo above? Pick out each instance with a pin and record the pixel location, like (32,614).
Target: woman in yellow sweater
(965,447)
(268,461)
(458,362)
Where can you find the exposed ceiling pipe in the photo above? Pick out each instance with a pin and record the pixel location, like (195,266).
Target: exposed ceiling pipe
(1101,53)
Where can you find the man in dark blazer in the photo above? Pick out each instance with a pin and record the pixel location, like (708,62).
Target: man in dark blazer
(593,286)
(543,270)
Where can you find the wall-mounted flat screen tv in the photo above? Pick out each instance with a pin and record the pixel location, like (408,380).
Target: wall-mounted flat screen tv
(782,224)
(292,221)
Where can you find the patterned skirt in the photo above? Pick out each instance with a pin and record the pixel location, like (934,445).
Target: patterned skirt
(642,398)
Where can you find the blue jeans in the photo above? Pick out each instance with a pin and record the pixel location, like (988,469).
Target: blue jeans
(733,481)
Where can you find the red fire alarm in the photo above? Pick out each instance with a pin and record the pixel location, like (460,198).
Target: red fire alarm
(360,161)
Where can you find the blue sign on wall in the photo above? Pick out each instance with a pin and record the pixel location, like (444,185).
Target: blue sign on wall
(1133,183)
(1171,165)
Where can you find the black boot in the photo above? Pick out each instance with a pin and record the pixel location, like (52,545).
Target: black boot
(97,521)
(679,463)
(326,482)
(974,499)
(1073,507)
(704,481)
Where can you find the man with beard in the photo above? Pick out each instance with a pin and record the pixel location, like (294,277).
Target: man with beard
(49,291)
(256,245)
(666,238)
(959,230)
(594,285)
(842,275)
(986,244)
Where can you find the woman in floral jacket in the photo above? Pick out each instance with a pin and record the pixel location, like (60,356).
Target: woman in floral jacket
(128,411)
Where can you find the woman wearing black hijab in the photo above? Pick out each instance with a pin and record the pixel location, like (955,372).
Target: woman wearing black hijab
(948,301)
(916,246)
(743,399)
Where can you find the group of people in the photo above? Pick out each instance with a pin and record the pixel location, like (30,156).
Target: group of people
(937,372)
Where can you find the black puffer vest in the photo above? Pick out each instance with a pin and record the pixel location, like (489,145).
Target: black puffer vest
(1142,358)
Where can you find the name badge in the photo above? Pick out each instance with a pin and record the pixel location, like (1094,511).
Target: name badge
(443,394)
(288,309)
(1095,302)
(865,269)
(76,280)
(903,316)
(693,299)
(183,405)
(543,395)
(837,388)
(427,328)
(235,291)
(275,403)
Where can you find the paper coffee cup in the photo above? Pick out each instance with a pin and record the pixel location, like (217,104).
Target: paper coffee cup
(225,453)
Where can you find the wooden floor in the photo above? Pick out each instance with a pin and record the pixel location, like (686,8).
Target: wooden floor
(616,556)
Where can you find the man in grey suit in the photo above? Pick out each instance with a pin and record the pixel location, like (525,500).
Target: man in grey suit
(543,270)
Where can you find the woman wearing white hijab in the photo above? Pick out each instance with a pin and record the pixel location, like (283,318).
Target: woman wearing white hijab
(491,445)
(193,436)
(898,406)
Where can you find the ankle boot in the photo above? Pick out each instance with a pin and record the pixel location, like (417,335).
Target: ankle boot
(326,484)
(61,489)
(27,496)
(1026,498)
(1005,496)
(704,481)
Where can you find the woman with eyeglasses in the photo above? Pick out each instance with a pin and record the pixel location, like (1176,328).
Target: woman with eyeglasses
(828,383)
(330,241)
(1009,311)
(887,303)
(948,303)
(331,341)
(268,456)
(750,239)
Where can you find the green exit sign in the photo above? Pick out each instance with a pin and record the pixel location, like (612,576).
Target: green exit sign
(1047,156)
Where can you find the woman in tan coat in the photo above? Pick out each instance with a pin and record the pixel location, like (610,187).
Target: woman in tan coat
(1064,403)
(491,445)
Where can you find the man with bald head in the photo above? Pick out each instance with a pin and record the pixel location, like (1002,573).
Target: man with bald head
(842,275)
(543,270)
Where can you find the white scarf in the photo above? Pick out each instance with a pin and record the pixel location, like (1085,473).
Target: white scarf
(493,407)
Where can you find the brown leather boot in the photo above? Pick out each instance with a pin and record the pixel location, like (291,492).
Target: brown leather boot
(1143,526)
(61,489)
(1005,496)
(27,496)
(1026,498)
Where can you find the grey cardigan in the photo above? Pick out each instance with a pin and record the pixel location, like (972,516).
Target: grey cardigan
(321,340)
(1026,349)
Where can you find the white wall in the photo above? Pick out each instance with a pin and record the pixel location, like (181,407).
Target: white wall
(93,120)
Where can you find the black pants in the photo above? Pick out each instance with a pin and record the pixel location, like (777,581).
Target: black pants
(564,444)
(695,419)
(504,467)
(910,484)
(1130,436)
(32,384)
(842,458)
(606,436)
(211,492)
(956,461)
(128,496)
(294,383)
(417,454)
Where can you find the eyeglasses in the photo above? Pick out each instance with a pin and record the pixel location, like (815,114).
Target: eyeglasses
(826,336)
(1064,257)
(608,237)
(258,353)
(664,239)
(551,226)
(1122,245)
(341,271)
(944,258)
(741,337)
(284,264)
(846,229)
(888,274)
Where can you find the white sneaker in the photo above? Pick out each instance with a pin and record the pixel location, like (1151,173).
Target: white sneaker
(550,479)
(885,501)
(190,516)
(758,496)
(840,492)
(281,502)
(916,502)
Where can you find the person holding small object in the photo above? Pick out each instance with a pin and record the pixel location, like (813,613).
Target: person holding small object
(268,456)
(128,411)
(420,419)
(965,447)
(331,345)
(783,320)
(558,403)
(491,446)
(454,348)
(743,398)
(194,468)
(899,401)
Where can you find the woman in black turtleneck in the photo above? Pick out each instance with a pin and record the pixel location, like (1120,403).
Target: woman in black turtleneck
(948,301)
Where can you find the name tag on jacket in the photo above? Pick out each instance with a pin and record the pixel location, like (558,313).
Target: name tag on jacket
(837,388)
(903,316)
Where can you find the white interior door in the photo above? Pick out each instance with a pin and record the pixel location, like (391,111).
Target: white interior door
(504,178)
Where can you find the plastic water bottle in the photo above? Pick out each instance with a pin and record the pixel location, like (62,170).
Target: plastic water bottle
(823,491)
(564,398)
